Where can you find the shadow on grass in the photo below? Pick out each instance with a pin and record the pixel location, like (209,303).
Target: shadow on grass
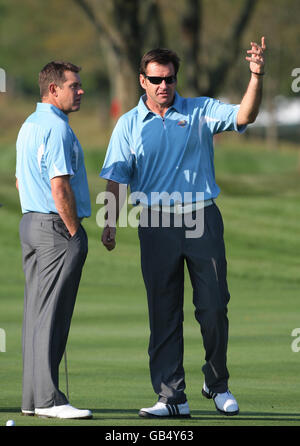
(201,415)
(208,415)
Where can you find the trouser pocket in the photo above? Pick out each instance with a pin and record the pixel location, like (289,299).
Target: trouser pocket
(60,228)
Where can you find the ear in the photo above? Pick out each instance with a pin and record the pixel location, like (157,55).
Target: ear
(143,81)
(52,89)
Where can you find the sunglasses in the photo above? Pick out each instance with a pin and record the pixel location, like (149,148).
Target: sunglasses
(158,80)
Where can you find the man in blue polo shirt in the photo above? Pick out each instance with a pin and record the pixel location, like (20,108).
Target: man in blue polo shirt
(163,149)
(54,196)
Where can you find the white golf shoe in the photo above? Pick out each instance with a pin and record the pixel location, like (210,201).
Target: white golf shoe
(27,413)
(65,411)
(166,410)
(225,402)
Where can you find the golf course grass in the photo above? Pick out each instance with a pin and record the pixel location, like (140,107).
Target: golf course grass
(107,346)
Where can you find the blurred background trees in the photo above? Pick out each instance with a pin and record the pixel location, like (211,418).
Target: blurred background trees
(127,28)
(108,37)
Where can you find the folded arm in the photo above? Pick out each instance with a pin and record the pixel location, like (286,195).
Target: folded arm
(65,203)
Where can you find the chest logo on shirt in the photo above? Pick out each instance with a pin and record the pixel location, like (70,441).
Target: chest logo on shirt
(182,123)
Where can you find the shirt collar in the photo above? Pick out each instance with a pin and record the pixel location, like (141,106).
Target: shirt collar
(46,107)
(178,103)
(144,110)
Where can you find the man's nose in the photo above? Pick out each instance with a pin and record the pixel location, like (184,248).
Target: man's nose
(163,84)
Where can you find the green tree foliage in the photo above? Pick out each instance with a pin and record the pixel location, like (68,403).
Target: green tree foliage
(36,31)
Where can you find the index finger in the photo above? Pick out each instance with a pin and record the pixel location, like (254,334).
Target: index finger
(263,43)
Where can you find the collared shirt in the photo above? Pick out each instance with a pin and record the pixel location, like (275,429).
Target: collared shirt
(46,148)
(169,155)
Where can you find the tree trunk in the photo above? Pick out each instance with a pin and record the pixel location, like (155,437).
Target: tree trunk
(122,34)
(125,89)
(191,28)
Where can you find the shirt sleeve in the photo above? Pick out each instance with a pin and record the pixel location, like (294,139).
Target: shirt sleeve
(222,117)
(58,152)
(119,160)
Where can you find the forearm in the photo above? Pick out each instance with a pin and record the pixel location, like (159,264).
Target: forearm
(115,198)
(251,101)
(65,203)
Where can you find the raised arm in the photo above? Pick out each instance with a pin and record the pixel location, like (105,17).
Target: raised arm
(251,101)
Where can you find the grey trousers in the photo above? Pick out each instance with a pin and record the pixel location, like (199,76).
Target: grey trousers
(163,253)
(52,264)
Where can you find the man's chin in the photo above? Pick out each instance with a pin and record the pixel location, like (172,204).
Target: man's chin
(165,100)
(75,108)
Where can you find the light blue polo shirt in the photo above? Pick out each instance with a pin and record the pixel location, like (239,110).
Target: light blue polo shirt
(173,154)
(46,148)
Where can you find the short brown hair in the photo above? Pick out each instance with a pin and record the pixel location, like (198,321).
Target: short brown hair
(54,72)
(161,56)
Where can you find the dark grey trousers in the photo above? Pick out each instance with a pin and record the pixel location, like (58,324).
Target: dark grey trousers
(52,264)
(163,252)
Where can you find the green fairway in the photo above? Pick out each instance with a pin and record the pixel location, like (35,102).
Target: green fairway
(107,347)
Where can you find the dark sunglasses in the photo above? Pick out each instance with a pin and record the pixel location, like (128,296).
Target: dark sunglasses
(158,80)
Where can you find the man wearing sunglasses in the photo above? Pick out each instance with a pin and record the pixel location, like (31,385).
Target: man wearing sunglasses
(164,148)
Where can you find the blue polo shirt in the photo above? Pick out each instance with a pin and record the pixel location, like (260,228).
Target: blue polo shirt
(173,154)
(46,148)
